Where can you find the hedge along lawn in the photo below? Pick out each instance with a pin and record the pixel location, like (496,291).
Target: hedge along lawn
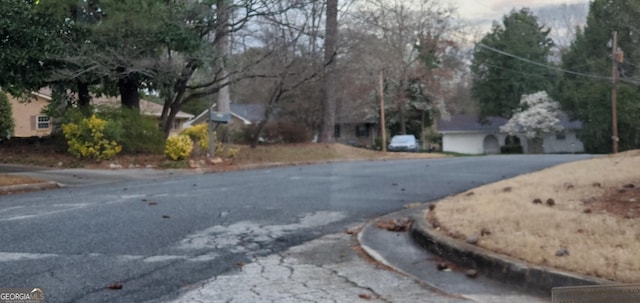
(595,217)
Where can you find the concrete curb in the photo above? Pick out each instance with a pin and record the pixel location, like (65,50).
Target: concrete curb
(531,278)
(10,189)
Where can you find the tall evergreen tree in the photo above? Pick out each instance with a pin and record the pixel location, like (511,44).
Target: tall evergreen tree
(500,80)
(587,97)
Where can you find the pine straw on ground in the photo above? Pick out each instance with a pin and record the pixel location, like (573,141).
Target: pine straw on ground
(595,217)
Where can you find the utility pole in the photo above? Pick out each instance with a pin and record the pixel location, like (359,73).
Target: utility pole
(614,92)
(383,128)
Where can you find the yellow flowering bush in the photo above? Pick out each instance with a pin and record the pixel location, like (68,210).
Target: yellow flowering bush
(178,147)
(199,134)
(87,139)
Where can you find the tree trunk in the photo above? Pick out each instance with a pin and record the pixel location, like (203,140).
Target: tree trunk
(84,98)
(222,48)
(130,97)
(330,81)
(400,102)
(536,145)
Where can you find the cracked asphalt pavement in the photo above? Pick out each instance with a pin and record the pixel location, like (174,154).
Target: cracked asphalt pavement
(327,269)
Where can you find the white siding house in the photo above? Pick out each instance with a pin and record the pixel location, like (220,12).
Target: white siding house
(464,134)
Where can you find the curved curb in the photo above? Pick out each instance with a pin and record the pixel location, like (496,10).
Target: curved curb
(10,189)
(373,254)
(531,278)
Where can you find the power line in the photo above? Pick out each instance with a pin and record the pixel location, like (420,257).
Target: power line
(594,76)
(543,64)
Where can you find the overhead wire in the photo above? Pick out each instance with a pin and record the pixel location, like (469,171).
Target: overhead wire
(559,69)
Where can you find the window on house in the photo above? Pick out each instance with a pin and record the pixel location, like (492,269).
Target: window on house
(42,122)
(362,130)
(336,131)
(561,135)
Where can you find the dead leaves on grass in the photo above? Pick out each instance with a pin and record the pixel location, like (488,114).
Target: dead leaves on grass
(395,225)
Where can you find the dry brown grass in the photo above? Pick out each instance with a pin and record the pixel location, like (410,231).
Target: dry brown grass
(599,243)
(6,180)
(305,153)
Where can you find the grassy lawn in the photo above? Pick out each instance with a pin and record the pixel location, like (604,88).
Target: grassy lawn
(591,227)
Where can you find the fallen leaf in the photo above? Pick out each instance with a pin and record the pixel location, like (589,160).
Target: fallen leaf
(396,225)
(351,231)
(115,286)
(365,296)
(485,231)
(471,273)
(551,202)
(442,266)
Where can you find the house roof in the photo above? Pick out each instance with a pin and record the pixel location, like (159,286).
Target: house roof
(469,123)
(247,113)
(147,108)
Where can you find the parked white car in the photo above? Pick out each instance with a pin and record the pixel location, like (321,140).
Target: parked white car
(403,143)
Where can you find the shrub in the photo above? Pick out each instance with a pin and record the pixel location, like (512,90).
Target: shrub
(232,152)
(278,132)
(199,134)
(293,133)
(178,147)
(136,133)
(87,139)
(511,149)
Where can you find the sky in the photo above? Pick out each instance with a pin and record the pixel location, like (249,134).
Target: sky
(482,12)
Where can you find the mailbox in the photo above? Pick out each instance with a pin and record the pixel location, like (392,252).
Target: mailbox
(218,117)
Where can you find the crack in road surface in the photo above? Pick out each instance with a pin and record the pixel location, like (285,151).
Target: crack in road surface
(323,270)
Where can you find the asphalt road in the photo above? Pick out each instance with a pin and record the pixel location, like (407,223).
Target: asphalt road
(157,237)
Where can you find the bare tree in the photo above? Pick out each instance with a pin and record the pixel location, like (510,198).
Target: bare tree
(410,41)
(286,36)
(563,20)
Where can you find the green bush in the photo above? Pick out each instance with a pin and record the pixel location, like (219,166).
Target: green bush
(88,139)
(511,149)
(136,133)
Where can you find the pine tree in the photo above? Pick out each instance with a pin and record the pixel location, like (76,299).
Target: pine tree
(588,98)
(500,80)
